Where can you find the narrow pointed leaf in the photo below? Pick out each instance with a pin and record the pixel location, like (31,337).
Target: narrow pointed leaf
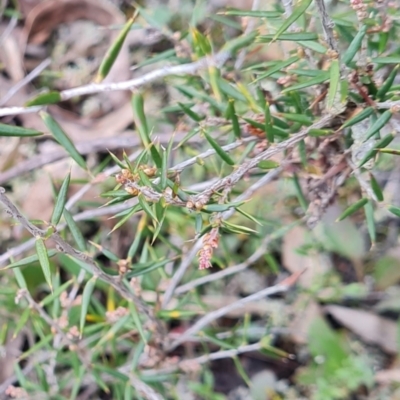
(378,124)
(292,36)
(86,296)
(233,117)
(298,11)
(354,46)
(382,143)
(219,150)
(75,231)
(388,83)
(358,117)
(322,77)
(61,200)
(249,13)
(387,60)
(28,260)
(62,138)
(17,131)
(375,187)
(369,215)
(41,251)
(113,51)
(333,83)
(278,67)
(44,99)
(142,126)
(146,207)
(395,210)
(352,209)
(191,114)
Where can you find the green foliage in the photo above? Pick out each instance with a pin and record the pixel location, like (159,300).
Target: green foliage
(260,122)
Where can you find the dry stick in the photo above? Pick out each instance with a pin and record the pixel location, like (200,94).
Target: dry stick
(186,69)
(84,215)
(204,359)
(66,248)
(327,26)
(188,258)
(213,315)
(28,78)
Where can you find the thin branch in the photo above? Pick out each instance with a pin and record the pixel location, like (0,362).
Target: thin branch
(204,359)
(188,258)
(327,26)
(28,78)
(66,248)
(217,60)
(214,315)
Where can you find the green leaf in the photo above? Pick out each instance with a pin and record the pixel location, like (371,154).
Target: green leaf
(61,200)
(267,164)
(323,76)
(378,124)
(20,278)
(142,127)
(191,114)
(353,208)
(146,208)
(86,296)
(298,11)
(235,122)
(369,215)
(388,83)
(41,251)
(375,187)
(364,114)
(394,210)
(293,36)
(22,320)
(333,83)
(75,231)
(218,149)
(278,67)
(240,42)
(113,51)
(62,138)
(12,130)
(314,46)
(249,13)
(380,144)
(221,207)
(136,208)
(147,269)
(44,99)
(136,320)
(354,46)
(27,260)
(389,151)
(386,60)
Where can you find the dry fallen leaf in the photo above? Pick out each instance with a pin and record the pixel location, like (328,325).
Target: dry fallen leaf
(371,328)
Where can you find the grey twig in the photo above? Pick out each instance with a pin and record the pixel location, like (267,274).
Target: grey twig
(327,26)
(213,315)
(186,69)
(122,288)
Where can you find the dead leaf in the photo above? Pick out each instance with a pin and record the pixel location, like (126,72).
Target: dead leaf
(370,327)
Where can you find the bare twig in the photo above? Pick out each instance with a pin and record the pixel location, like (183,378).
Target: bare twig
(327,26)
(28,78)
(204,359)
(213,315)
(186,69)
(123,289)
